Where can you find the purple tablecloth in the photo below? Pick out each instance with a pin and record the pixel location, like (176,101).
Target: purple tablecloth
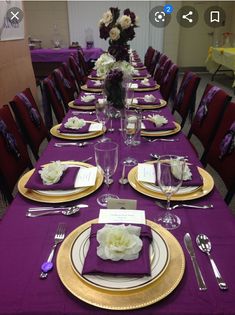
(62,54)
(25,243)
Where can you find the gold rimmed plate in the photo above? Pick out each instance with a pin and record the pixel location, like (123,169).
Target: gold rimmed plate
(161,133)
(159,259)
(206,188)
(81,107)
(56,133)
(74,195)
(125,299)
(146,89)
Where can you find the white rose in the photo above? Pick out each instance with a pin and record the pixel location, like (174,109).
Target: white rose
(149,98)
(145,81)
(107,18)
(87,98)
(75,123)
(51,173)
(176,169)
(114,33)
(158,120)
(119,242)
(125,22)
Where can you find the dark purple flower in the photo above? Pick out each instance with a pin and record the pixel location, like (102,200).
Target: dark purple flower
(114,88)
(119,52)
(128,34)
(115,13)
(104,32)
(132,16)
(127,12)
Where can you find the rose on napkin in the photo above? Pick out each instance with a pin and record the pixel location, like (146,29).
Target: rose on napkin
(136,72)
(118,242)
(145,81)
(149,98)
(176,166)
(75,123)
(51,173)
(96,82)
(88,98)
(158,120)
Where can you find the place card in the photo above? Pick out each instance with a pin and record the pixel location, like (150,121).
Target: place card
(146,173)
(86,177)
(95,127)
(122,216)
(122,204)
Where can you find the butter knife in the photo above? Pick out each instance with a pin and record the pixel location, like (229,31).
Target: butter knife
(189,246)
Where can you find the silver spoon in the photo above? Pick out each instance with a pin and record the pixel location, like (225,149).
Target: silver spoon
(70,211)
(64,144)
(162,139)
(185,205)
(77,113)
(204,244)
(156,156)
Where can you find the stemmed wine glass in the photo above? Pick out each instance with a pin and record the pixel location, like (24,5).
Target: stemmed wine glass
(102,115)
(170,171)
(106,157)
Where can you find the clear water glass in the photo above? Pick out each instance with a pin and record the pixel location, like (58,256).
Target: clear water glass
(102,115)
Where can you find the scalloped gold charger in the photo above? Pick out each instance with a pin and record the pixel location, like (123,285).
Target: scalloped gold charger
(87,89)
(138,297)
(33,195)
(81,107)
(206,188)
(55,132)
(163,103)
(161,133)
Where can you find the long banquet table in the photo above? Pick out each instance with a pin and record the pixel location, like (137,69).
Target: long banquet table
(25,243)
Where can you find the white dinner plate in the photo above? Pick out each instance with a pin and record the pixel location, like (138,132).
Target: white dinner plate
(159,256)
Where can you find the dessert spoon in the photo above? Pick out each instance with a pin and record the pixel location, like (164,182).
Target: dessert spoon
(69,211)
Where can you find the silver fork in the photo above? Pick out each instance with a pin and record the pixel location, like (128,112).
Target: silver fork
(58,238)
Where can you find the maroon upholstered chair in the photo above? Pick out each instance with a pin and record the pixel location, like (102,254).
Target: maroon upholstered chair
(53,98)
(29,120)
(208,116)
(82,63)
(163,71)
(69,75)
(154,62)
(221,154)
(148,57)
(169,83)
(64,87)
(14,157)
(160,67)
(184,102)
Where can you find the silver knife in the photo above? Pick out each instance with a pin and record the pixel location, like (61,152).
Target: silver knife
(189,246)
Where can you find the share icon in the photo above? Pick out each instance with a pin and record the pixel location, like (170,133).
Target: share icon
(186,16)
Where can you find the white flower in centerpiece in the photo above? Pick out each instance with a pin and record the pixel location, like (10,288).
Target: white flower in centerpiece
(119,242)
(125,22)
(125,67)
(158,120)
(114,33)
(75,123)
(104,64)
(87,98)
(107,18)
(51,173)
(149,98)
(176,168)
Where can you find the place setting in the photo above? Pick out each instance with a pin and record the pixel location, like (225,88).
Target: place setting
(144,85)
(60,181)
(85,101)
(92,85)
(141,100)
(132,277)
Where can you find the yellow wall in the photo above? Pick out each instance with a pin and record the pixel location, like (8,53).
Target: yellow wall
(42,16)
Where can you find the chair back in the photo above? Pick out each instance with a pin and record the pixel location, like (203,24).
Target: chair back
(160,68)
(209,115)
(154,62)
(53,98)
(148,57)
(221,154)
(69,75)
(14,157)
(30,120)
(168,86)
(76,69)
(64,86)
(184,102)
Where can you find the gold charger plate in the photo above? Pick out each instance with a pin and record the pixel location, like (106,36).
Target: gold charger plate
(78,107)
(208,184)
(87,89)
(161,133)
(145,89)
(163,103)
(33,195)
(55,132)
(124,299)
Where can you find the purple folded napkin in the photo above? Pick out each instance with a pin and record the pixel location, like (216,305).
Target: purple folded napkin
(92,85)
(152,83)
(151,126)
(78,101)
(138,64)
(66,181)
(94,73)
(142,73)
(84,129)
(196,177)
(93,264)
(140,97)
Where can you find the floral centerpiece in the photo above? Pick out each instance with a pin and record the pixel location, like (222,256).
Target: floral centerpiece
(119,30)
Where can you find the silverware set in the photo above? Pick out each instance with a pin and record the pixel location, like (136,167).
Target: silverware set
(41,211)
(205,246)
(162,139)
(65,144)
